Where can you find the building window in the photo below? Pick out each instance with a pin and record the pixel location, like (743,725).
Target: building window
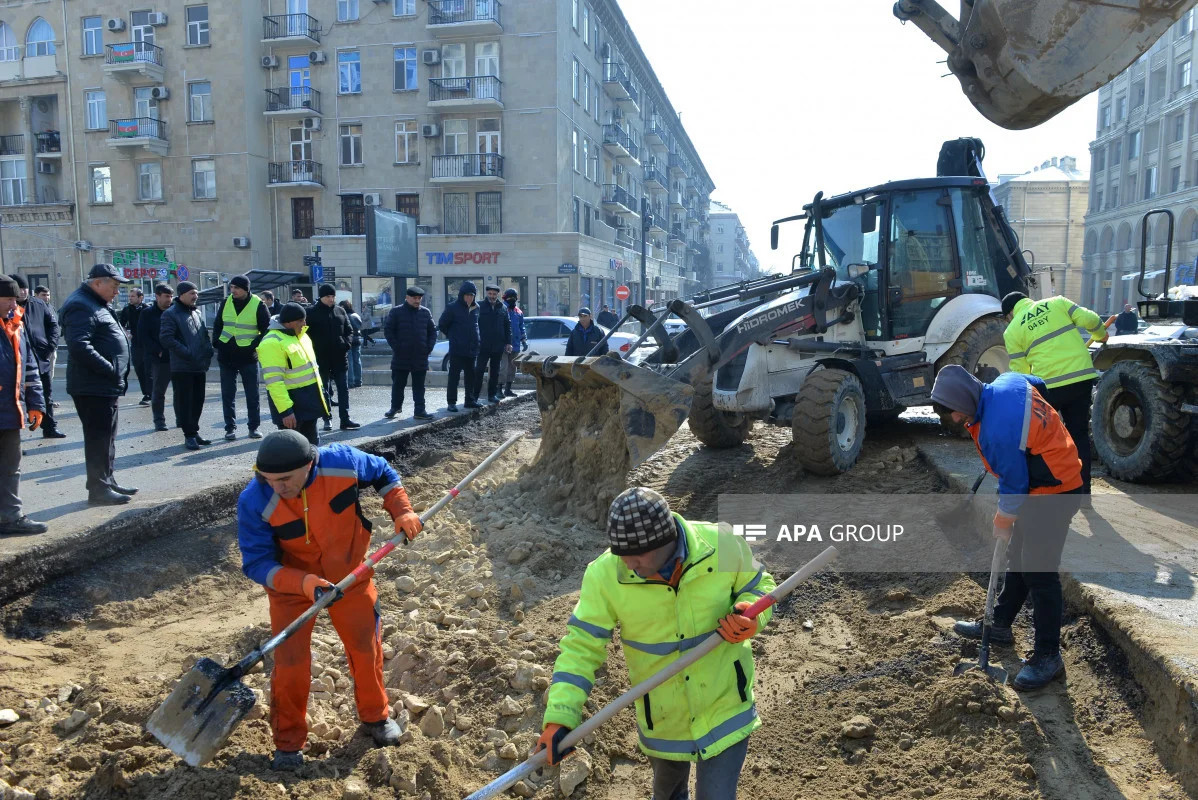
(408,204)
(1150,183)
(1183,74)
(455,215)
(199,101)
(1185,25)
(351,145)
(406,142)
(349,72)
(1104,117)
(303,217)
(486,58)
(454,136)
(488,216)
(405,8)
(301,144)
(588,214)
(1137,94)
(488,137)
(140,29)
(1133,144)
(586,92)
(93,36)
(203,179)
(1179,127)
(40,40)
(197,25)
(12,182)
(1175,179)
(586,25)
(575,81)
(453,61)
(347,10)
(97,110)
(574,14)
(1116,153)
(102,184)
(1114,200)
(1099,160)
(1120,109)
(149,181)
(1098,199)
(353,215)
(577,202)
(574,148)
(8,44)
(405,68)
(586,157)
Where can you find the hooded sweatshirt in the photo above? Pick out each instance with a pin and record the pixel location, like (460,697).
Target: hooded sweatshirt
(957,389)
(459,323)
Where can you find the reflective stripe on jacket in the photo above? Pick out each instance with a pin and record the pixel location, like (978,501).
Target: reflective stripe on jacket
(1042,340)
(694,715)
(288,363)
(240,327)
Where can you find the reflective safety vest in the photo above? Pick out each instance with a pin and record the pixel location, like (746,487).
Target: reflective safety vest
(708,708)
(1043,340)
(288,363)
(243,327)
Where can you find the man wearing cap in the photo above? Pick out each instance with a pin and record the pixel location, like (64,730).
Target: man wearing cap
(293,386)
(332,336)
(241,322)
(97,376)
(585,336)
(21,404)
(41,330)
(184,335)
(459,323)
(129,316)
(668,584)
(300,529)
(1023,442)
(519,339)
(494,339)
(158,358)
(411,333)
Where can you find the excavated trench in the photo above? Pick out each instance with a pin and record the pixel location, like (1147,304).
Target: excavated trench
(854,673)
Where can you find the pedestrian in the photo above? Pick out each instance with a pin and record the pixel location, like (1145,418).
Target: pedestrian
(494,340)
(519,339)
(158,358)
(42,332)
(355,344)
(273,306)
(129,316)
(585,336)
(294,389)
(184,335)
(607,318)
(97,376)
(1126,322)
(459,324)
(705,715)
(298,297)
(21,404)
(241,322)
(411,333)
(331,334)
(43,293)
(1023,442)
(1042,340)
(298,535)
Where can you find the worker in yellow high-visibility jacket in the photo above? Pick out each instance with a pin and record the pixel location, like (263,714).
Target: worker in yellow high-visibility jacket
(290,373)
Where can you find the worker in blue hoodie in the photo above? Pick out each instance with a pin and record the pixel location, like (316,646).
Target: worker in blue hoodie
(459,324)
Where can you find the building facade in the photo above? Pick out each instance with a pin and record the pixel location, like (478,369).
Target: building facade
(199,141)
(1144,157)
(732,256)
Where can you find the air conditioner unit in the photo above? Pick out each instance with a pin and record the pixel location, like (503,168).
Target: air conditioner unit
(156,18)
(160,93)
(317,57)
(430,130)
(84,245)
(116,25)
(270,62)
(241,241)
(372,199)
(431,57)
(46,167)
(311,123)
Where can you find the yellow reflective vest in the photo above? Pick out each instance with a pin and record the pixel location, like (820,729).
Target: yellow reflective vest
(1043,340)
(708,708)
(243,327)
(288,363)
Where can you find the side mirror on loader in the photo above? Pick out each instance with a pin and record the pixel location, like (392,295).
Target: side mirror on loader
(869,217)
(773,237)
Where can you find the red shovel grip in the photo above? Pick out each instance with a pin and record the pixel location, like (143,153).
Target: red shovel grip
(759,606)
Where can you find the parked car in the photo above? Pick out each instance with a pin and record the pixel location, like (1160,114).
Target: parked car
(547,336)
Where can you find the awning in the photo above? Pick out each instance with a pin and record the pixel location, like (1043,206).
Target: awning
(1151,274)
(261,280)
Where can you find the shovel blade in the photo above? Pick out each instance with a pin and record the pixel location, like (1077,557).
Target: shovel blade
(996,674)
(198,717)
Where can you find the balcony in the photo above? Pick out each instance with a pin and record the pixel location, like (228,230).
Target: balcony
(656,135)
(144,133)
(48,144)
(660,220)
(617,141)
(677,165)
(624,240)
(285,174)
(655,179)
(480,91)
(293,101)
(290,29)
(468,168)
(676,203)
(677,237)
(618,200)
(12,145)
(464,17)
(134,62)
(619,86)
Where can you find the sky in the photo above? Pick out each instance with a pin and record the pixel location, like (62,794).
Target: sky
(784,98)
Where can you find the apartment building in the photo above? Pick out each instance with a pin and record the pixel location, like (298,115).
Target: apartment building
(531,140)
(732,256)
(1144,157)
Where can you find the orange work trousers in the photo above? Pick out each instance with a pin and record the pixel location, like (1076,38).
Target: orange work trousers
(356,621)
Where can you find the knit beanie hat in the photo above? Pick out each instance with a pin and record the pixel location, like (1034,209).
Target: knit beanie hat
(327,289)
(185,287)
(8,287)
(957,390)
(283,451)
(291,312)
(240,281)
(639,521)
(1009,301)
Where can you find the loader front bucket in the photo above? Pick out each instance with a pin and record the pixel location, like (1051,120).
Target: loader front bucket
(651,407)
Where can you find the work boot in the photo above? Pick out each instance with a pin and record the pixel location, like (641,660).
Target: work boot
(22,526)
(328,424)
(284,759)
(973,630)
(452,409)
(53,433)
(201,440)
(385,733)
(1039,671)
(349,425)
(107,497)
(191,444)
(130,491)
(231,436)
(254,434)
(422,414)
(391,413)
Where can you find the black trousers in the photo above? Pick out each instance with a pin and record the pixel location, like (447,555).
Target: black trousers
(98,416)
(308,429)
(160,372)
(340,377)
(457,365)
(144,381)
(229,373)
(189,400)
(494,361)
(49,424)
(399,381)
(1073,403)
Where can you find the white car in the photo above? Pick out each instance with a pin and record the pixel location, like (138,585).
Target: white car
(547,336)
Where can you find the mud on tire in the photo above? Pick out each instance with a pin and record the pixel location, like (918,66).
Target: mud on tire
(713,427)
(980,349)
(1139,429)
(829,421)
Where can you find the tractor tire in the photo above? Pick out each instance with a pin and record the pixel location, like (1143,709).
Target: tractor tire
(980,349)
(1140,432)
(829,421)
(713,427)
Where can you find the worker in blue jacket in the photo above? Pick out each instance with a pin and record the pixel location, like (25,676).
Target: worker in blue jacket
(585,336)
(511,299)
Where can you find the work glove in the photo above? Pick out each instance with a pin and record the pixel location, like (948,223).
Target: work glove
(408,523)
(35,419)
(1004,526)
(551,739)
(736,627)
(314,586)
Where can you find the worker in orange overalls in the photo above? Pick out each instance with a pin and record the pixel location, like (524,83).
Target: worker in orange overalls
(301,529)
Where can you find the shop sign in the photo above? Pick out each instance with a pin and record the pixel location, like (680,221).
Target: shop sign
(462,258)
(615,263)
(151,264)
(567,269)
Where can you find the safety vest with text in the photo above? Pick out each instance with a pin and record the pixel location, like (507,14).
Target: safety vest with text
(1043,340)
(288,363)
(240,327)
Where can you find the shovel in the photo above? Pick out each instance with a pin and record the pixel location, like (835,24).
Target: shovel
(198,717)
(960,516)
(996,674)
(539,759)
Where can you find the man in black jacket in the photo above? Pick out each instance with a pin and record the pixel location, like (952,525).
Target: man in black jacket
(21,404)
(607,318)
(331,335)
(585,336)
(184,335)
(41,330)
(273,306)
(494,339)
(97,376)
(241,322)
(129,316)
(459,323)
(411,333)
(158,358)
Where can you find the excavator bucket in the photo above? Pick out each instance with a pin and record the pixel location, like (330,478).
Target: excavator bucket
(651,407)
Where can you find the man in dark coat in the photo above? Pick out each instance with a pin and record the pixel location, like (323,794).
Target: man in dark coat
(273,306)
(607,318)
(158,358)
(97,376)
(585,336)
(411,333)
(459,323)
(519,339)
(241,322)
(494,339)
(185,336)
(332,336)
(129,316)
(41,331)
(21,404)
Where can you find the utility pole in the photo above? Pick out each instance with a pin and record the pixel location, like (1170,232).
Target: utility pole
(646,221)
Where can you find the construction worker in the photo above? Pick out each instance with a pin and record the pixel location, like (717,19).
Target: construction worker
(241,322)
(293,388)
(21,404)
(300,530)
(1023,442)
(1042,340)
(704,715)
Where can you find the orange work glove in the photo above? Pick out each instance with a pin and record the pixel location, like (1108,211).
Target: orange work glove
(312,583)
(408,523)
(35,419)
(736,627)
(551,739)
